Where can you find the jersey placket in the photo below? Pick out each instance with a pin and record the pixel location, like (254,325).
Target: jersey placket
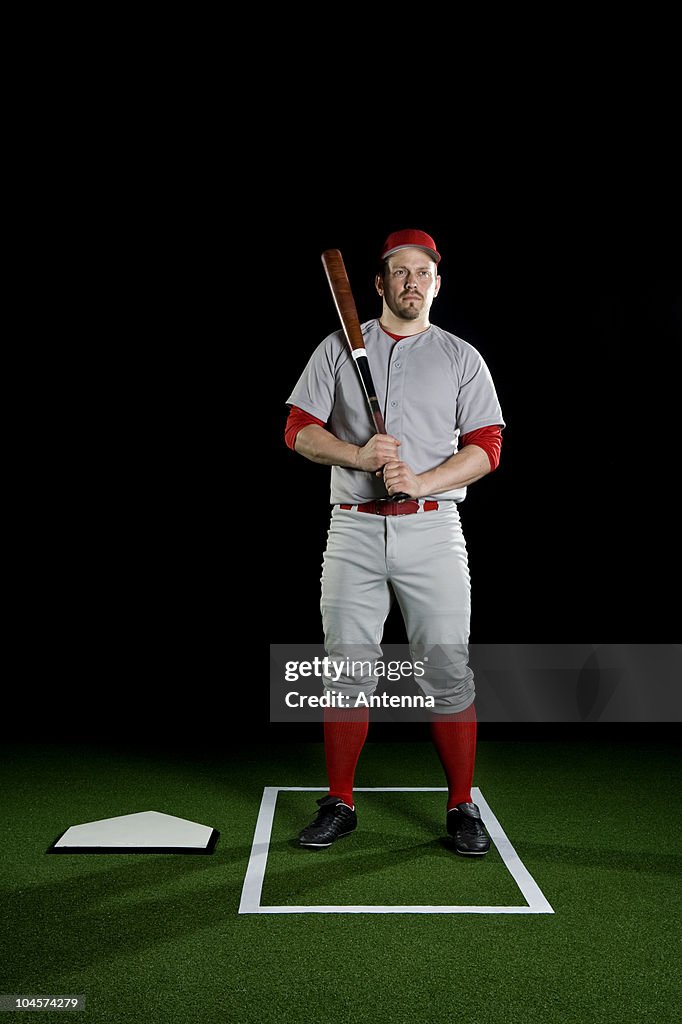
(395,389)
(395,393)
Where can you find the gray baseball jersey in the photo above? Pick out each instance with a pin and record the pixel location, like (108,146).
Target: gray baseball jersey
(432,387)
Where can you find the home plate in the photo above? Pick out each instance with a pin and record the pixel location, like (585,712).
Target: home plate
(143,832)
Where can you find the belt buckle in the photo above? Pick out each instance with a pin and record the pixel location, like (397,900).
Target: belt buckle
(382,506)
(389,507)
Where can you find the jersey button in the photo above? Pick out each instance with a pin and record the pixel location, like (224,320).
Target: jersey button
(398,365)
(394,404)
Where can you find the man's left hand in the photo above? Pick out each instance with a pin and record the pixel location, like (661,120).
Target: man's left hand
(399,478)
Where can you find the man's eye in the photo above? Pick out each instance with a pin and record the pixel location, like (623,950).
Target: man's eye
(425,273)
(399,273)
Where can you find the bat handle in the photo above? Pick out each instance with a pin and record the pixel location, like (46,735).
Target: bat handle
(400,497)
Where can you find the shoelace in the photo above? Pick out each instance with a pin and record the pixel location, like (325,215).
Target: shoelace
(471,825)
(326,812)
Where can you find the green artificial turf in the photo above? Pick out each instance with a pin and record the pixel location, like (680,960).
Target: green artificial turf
(157,938)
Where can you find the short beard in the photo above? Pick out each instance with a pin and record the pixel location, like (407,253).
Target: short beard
(404,312)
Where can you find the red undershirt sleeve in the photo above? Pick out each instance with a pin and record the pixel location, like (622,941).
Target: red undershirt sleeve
(298,419)
(487,438)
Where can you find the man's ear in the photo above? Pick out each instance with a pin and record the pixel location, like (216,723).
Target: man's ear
(379,284)
(437,288)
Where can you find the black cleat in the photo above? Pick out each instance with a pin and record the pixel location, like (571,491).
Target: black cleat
(334,819)
(466,828)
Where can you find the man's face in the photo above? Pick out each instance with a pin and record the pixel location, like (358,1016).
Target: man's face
(410,283)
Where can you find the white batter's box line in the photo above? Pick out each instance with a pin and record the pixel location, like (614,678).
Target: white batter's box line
(536,902)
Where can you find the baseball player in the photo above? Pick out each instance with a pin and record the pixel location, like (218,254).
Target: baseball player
(443,423)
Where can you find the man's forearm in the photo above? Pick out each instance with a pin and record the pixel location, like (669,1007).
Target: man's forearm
(464,468)
(318,445)
(460,470)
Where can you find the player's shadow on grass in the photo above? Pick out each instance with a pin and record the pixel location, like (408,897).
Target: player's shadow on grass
(351,858)
(428,819)
(56,929)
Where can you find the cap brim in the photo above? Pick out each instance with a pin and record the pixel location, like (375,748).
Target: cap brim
(435,256)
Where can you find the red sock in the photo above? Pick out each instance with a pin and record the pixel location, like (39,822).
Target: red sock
(454,737)
(344,737)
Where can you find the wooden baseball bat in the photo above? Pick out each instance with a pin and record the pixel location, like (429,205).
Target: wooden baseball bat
(335,269)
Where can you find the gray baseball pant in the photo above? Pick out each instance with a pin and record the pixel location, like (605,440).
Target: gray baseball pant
(421,561)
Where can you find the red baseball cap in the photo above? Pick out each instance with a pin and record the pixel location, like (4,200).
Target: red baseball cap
(408,239)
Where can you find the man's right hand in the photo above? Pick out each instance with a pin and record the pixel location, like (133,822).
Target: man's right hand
(380,449)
